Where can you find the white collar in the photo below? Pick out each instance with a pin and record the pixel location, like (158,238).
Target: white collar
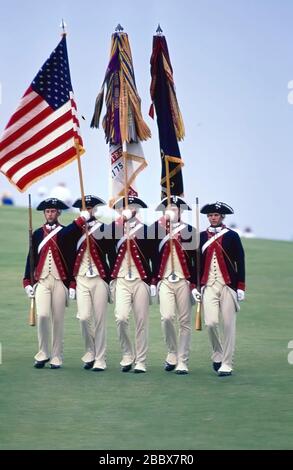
(215,229)
(50,227)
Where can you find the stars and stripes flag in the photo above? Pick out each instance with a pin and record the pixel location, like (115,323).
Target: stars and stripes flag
(43,134)
(169,118)
(123,122)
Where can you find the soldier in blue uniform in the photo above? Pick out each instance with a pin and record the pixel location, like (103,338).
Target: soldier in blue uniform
(130,256)
(51,277)
(52,267)
(223,284)
(174,274)
(91,278)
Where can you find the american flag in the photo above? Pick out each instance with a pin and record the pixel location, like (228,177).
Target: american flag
(40,136)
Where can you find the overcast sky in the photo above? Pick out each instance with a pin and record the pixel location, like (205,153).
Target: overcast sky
(233,63)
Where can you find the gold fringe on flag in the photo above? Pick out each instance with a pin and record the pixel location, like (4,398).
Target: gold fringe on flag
(160,47)
(123,121)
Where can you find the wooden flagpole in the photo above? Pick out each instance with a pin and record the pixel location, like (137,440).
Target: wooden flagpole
(76,142)
(83,203)
(159,32)
(32,312)
(168,187)
(125,162)
(118,30)
(198,326)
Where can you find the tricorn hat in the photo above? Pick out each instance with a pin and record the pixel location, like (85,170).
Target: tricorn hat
(175,201)
(52,203)
(217,207)
(90,201)
(132,201)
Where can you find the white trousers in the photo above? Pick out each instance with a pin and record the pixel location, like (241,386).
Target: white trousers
(219,307)
(92,298)
(51,299)
(135,296)
(175,300)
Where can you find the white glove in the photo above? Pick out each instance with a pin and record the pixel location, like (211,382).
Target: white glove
(196,295)
(30,292)
(153,290)
(170,215)
(240,295)
(96,212)
(127,214)
(72,293)
(86,215)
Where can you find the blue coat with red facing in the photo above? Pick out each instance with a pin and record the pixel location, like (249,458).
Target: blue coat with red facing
(184,243)
(230,256)
(62,246)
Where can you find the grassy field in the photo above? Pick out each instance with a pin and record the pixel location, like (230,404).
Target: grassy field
(72,408)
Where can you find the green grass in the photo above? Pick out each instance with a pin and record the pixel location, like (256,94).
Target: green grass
(72,408)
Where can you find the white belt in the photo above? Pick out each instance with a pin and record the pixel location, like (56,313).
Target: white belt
(215,237)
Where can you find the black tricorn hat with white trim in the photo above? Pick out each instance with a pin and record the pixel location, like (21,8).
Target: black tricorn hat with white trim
(52,203)
(133,201)
(90,201)
(217,208)
(175,201)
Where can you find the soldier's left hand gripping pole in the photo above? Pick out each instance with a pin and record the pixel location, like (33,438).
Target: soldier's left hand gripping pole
(198,326)
(126,187)
(32,312)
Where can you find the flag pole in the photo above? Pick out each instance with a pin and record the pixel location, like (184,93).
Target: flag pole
(80,175)
(32,313)
(83,206)
(159,32)
(168,119)
(63,27)
(76,143)
(124,150)
(168,187)
(118,30)
(198,326)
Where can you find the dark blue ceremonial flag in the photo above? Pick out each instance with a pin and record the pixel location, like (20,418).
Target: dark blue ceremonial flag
(169,120)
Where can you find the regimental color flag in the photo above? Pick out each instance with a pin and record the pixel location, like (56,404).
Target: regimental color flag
(123,122)
(43,134)
(169,118)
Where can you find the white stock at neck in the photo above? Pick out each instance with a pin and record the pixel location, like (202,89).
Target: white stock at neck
(51,226)
(216,229)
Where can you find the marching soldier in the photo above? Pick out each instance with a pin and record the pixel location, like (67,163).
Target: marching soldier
(223,283)
(51,274)
(91,273)
(174,274)
(131,276)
